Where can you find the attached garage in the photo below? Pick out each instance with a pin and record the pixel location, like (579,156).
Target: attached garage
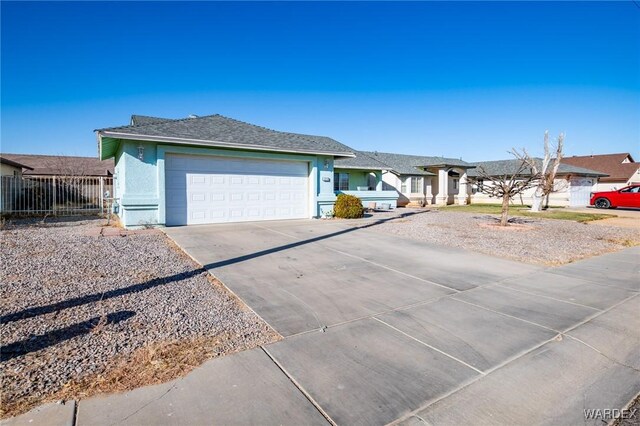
(580,191)
(207,189)
(215,169)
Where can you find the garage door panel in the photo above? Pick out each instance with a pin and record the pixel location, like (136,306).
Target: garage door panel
(203,189)
(580,192)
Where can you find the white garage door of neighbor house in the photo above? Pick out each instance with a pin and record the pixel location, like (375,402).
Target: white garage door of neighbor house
(205,189)
(580,192)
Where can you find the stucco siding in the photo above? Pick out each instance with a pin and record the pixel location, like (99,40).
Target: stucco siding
(8,170)
(140,183)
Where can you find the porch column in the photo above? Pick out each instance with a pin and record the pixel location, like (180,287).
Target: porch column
(378,181)
(429,189)
(443,187)
(462,188)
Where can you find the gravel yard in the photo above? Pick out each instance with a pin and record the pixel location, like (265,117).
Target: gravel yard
(531,240)
(76,306)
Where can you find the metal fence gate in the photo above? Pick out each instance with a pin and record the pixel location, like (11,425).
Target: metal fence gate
(53,195)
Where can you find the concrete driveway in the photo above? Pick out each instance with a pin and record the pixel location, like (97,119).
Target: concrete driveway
(380,330)
(378,326)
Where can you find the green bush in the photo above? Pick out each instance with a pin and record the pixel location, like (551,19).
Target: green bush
(348,207)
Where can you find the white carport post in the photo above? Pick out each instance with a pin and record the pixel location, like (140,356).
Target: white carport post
(462,188)
(443,187)
(378,180)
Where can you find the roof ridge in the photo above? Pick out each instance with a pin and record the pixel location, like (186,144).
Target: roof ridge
(50,155)
(302,135)
(600,155)
(136,126)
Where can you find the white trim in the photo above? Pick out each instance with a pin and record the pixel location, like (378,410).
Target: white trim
(187,141)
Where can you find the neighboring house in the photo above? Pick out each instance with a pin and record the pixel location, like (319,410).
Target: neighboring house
(62,165)
(12,168)
(421,179)
(572,186)
(620,168)
(215,169)
(9,171)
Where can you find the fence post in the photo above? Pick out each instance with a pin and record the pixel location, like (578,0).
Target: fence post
(55,196)
(101,195)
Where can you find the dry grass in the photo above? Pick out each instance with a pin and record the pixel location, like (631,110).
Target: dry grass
(552,213)
(153,364)
(624,242)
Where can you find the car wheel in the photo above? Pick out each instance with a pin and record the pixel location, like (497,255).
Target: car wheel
(602,203)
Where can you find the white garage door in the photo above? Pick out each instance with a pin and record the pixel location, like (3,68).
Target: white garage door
(205,189)
(580,192)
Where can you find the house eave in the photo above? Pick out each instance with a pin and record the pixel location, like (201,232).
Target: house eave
(362,168)
(451,165)
(215,144)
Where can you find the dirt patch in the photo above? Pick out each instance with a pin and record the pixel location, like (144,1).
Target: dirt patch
(509,228)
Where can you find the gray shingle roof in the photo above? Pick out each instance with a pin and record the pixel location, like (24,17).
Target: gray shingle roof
(13,163)
(360,161)
(217,128)
(507,167)
(411,164)
(146,119)
(62,164)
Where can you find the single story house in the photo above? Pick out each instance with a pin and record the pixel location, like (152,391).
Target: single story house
(572,186)
(620,168)
(215,169)
(421,179)
(62,165)
(12,168)
(363,176)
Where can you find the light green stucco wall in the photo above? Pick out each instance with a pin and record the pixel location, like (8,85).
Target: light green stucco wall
(356,178)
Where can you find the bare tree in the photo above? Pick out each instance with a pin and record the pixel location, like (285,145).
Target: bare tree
(546,173)
(508,185)
(62,165)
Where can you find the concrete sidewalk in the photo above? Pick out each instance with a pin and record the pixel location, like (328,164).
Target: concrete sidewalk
(417,335)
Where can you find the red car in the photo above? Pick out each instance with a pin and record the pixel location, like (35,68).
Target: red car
(628,196)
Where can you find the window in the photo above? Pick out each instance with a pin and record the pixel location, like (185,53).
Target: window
(480,185)
(403,185)
(455,183)
(416,185)
(341,181)
(631,189)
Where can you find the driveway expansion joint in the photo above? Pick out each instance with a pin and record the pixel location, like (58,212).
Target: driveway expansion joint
(514,358)
(544,297)
(429,346)
(299,387)
(601,353)
(363,259)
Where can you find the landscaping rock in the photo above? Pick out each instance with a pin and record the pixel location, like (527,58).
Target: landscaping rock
(531,240)
(74,301)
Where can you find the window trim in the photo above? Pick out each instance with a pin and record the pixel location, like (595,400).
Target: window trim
(417,182)
(338,181)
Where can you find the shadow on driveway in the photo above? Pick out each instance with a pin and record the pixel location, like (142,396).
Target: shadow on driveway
(92,298)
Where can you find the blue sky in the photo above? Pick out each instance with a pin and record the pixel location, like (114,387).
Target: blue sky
(468,80)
